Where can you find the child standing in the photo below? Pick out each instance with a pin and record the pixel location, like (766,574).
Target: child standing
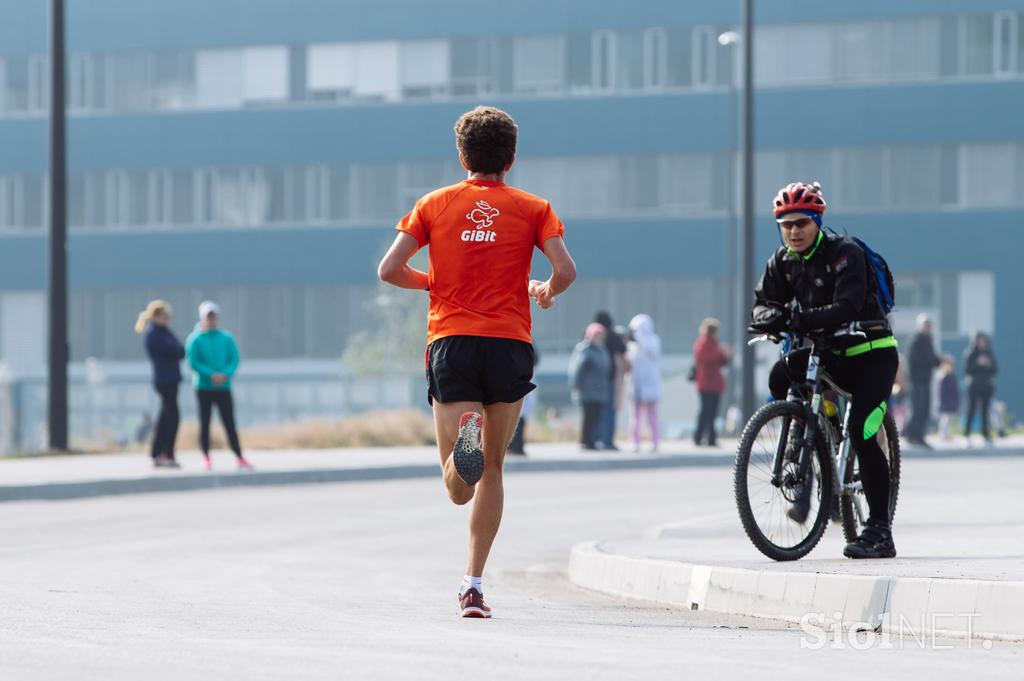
(949,395)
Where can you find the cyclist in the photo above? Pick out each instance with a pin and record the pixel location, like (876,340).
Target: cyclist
(817,281)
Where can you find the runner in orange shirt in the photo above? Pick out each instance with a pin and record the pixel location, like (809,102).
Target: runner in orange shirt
(481,234)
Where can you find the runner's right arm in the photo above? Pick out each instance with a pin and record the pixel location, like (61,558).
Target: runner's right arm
(563,273)
(394,267)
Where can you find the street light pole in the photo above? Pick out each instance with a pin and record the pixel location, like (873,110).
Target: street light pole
(747,240)
(57,283)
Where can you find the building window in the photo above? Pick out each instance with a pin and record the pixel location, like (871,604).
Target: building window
(366,70)
(474,66)
(538,63)
(82,82)
(426,68)
(914,49)
(977,40)
(38,83)
(655,58)
(604,57)
(987,175)
(631,66)
(704,41)
(234,78)
(160,203)
(1004,46)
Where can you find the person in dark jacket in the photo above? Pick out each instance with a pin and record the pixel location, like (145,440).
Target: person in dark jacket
(923,361)
(616,346)
(708,359)
(819,281)
(590,376)
(981,369)
(165,353)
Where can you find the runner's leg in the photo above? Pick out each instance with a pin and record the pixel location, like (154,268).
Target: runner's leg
(446,424)
(500,421)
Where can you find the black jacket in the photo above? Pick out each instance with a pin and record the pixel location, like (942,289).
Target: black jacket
(832,287)
(166,353)
(980,367)
(923,358)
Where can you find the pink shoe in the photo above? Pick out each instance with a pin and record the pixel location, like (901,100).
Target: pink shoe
(207,464)
(244,465)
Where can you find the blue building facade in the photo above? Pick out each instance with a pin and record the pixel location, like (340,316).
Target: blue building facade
(261,152)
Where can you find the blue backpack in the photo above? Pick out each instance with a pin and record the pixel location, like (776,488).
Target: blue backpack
(885,286)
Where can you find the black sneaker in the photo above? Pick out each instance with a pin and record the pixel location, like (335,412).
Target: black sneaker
(467,455)
(799,511)
(875,541)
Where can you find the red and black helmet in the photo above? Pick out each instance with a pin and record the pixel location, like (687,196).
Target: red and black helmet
(797,197)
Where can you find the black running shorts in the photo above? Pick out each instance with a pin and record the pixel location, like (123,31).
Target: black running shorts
(479,369)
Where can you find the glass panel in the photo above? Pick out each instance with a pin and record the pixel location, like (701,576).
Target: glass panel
(16,91)
(861,175)
(539,63)
(704,40)
(265,74)
(605,47)
(426,67)
(914,50)
(655,58)
(376,70)
(130,80)
(630,60)
(978,40)
(915,177)
(331,68)
(580,66)
(988,175)
(680,57)
(174,80)
(858,54)
(474,66)
(686,182)
(219,78)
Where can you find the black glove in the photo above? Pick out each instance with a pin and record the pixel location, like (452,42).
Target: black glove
(769,320)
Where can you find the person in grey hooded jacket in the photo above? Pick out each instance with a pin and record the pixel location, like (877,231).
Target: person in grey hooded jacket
(590,380)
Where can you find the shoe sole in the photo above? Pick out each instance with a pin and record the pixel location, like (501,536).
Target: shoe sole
(466,455)
(860,556)
(476,613)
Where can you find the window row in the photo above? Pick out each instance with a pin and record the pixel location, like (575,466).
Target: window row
(597,62)
(926,177)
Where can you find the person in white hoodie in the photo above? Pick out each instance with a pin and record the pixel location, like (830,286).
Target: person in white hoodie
(644,354)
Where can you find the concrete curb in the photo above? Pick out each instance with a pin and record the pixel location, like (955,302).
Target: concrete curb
(903,607)
(177,482)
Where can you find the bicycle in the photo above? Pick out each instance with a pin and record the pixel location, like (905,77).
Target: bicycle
(792,448)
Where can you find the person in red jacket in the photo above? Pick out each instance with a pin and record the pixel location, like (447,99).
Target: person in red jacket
(708,359)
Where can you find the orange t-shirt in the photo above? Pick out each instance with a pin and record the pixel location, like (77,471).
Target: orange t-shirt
(481,236)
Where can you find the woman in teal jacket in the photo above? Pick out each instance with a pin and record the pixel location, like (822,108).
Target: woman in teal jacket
(213,356)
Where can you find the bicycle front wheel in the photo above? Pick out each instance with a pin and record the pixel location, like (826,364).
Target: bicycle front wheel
(764,506)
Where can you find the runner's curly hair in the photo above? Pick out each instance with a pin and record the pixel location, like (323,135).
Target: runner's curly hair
(486,138)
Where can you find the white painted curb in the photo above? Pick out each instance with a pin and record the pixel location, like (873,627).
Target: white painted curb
(897,605)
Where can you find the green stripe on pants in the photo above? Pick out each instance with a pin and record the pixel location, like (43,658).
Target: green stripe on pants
(874,421)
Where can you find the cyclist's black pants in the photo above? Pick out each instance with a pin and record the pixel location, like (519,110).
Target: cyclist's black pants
(869,379)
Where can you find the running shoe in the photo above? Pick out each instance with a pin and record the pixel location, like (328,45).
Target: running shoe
(468,455)
(160,461)
(471,604)
(244,465)
(207,464)
(875,541)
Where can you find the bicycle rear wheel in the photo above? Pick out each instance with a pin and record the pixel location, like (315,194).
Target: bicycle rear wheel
(763,506)
(853,505)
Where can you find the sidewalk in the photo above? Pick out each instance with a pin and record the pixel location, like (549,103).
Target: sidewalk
(85,475)
(959,530)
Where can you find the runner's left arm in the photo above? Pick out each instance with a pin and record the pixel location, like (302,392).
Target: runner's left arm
(394,268)
(563,273)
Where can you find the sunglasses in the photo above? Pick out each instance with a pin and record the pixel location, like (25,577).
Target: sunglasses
(802,223)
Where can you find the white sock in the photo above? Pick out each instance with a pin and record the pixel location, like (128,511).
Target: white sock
(470,582)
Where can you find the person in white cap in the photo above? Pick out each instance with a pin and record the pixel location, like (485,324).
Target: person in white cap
(213,355)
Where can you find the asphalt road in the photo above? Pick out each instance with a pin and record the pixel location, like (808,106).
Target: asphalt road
(358,581)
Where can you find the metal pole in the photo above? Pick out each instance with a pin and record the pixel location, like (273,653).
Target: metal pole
(747,239)
(58,279)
